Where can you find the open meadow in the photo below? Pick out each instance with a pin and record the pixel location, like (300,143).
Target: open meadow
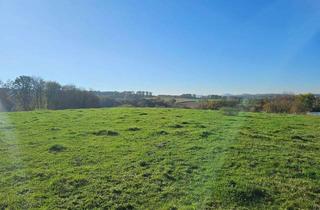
(157,158)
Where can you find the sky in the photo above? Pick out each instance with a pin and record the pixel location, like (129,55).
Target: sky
(165,46)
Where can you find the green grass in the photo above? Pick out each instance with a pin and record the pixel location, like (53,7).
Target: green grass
(125,158)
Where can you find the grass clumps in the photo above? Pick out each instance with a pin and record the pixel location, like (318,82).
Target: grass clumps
(176,126)
(143,163)
(205,134)
(57,148)
(105,133)
(298,137)
(134,129)
(162,132)
(162,144)
(248,194)
(244,194)
(54,129)
(64,187)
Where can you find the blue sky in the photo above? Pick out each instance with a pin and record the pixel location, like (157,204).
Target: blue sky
(165,46)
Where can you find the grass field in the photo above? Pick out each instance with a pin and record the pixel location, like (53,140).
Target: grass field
(131,158)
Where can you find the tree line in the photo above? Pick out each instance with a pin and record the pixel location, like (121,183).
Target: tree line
(26,93)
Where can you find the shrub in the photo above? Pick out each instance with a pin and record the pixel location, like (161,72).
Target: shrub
(279,105)
(291,104)
(218,104)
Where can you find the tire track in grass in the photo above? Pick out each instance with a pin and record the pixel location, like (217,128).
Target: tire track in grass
(230,134)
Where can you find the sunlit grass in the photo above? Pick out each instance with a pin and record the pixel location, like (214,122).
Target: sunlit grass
(158,158)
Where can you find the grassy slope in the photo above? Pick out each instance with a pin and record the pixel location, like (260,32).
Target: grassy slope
(161,158)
